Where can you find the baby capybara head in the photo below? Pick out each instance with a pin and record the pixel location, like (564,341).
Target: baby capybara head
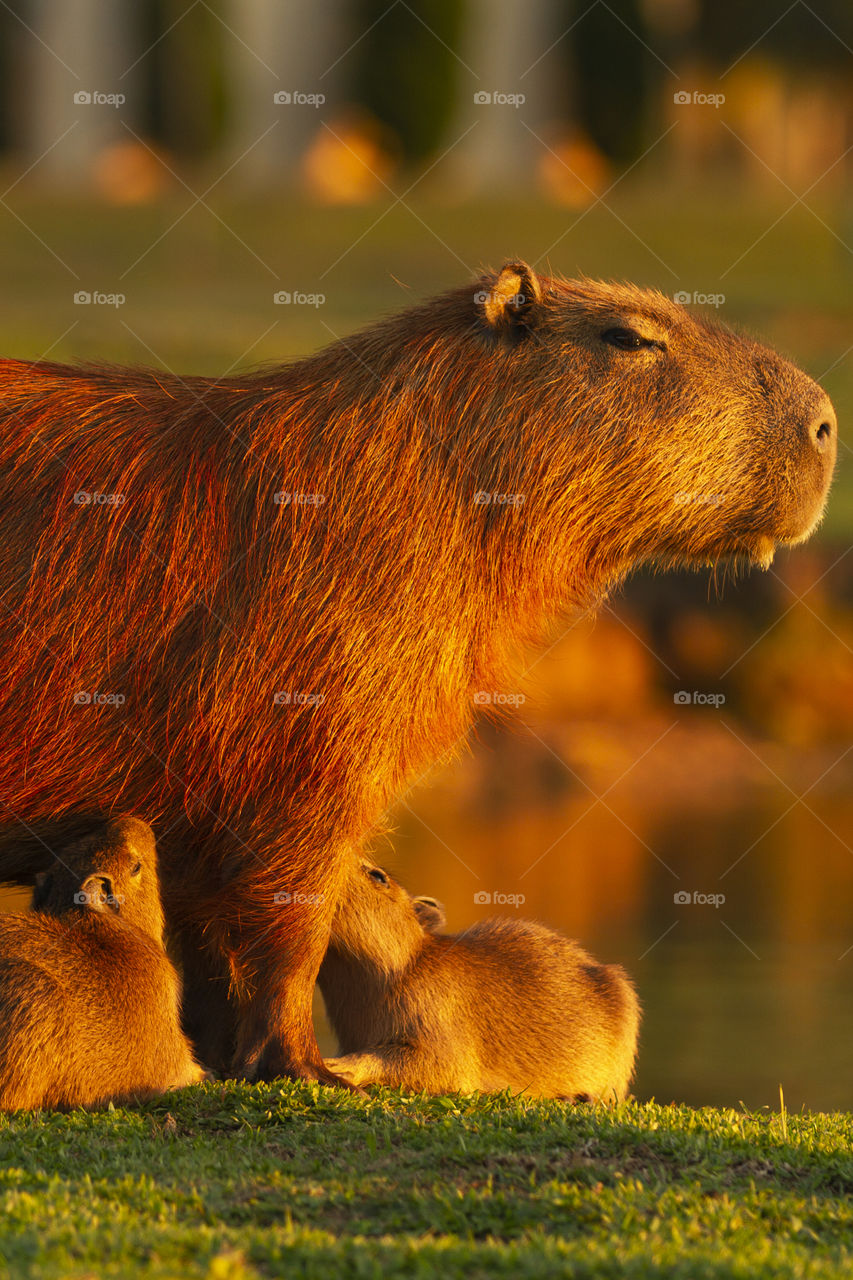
(111,870)
(645,431)
(378,922)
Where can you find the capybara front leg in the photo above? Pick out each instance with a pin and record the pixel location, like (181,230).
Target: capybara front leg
(359,1069)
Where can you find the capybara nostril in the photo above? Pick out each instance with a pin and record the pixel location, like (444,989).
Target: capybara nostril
(822,427)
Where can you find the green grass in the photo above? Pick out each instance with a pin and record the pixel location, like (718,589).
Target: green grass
(233,1181)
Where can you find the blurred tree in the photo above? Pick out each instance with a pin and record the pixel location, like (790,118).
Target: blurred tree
(815,34)
(615,70)
(282,48)
(64,55)
(405,71)
(183,68)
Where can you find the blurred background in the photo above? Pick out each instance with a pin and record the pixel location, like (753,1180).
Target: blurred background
(204,186)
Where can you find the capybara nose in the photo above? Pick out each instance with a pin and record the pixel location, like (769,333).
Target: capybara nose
(822,429)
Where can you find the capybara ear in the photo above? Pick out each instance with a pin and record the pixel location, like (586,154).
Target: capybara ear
(511,303)
(96,893)
(41,890)
(430,913)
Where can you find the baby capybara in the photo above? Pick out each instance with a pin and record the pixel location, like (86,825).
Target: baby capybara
(89,1002)
(258,608)
(507,1004)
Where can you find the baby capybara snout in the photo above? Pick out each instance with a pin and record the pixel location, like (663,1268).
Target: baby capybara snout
(89,1001)
(504,1004)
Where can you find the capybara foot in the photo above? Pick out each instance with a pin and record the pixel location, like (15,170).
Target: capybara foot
(275,1062)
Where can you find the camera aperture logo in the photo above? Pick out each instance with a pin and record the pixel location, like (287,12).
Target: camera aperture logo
(696,299)
(496,98)
(483,898)
(94,298)
(84,698)
(684,899)
(285,899)
(83,498)
(683,99)
(494,698)
(686,698)
(296,98)
(286,298)
(485,499)
(97,900)
(297,698)
(94,98)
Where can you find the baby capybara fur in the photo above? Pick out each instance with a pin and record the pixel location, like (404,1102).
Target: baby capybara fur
(257,609)
(507,1004)
(89,1001)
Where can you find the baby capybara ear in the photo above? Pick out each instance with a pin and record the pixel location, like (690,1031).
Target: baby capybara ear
(510,303)
(430,913)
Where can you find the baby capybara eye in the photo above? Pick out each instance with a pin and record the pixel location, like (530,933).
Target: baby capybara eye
(136,870)
(625,339)
(378,877)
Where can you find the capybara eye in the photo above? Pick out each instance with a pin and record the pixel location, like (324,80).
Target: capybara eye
(136,870)
(377,876)
(625,339)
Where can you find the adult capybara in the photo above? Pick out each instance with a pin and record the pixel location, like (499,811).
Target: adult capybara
(257,609)
(89,1001)
(507,1004)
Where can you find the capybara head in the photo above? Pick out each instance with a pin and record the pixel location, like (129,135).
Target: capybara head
(111,870)
(645,431)
(378,922)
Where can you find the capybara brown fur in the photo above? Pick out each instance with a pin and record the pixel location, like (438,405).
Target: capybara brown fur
(507,1004)
(89,1001)
(257,609)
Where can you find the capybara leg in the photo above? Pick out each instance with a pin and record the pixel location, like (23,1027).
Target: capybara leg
(359,1069)
(276,1033)
(208,1016)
